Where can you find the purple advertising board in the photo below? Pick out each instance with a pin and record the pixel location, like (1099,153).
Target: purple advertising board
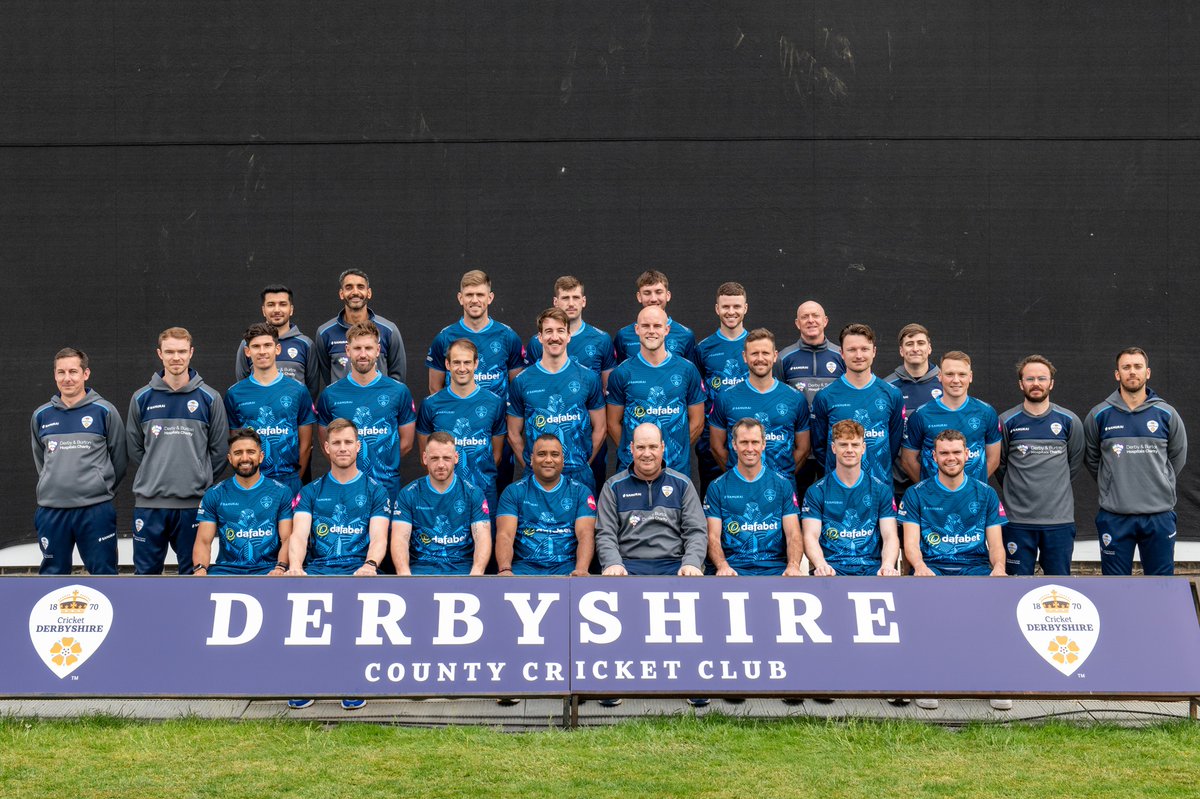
(489,636)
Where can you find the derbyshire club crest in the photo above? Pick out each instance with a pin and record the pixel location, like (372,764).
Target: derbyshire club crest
(292,352)
(1056,428)
(192,406)
(68,625)
(87,422)
(1060,624)
(1151,425)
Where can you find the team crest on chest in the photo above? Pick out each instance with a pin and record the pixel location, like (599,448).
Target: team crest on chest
(668,490)
(292,352)
(880,404)
(1151,425)
(677,380)
(574,386)
(87,422)
(192,406)
(831,367)
(1056,428)
(974,422)
(974,506)
(769,495)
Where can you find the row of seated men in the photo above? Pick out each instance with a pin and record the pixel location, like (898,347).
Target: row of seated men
(583,389)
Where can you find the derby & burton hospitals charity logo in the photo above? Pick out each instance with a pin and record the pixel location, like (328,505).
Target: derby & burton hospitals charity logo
(1061,624)
(68,625)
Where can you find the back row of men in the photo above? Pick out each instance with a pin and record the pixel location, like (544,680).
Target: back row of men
(578,386)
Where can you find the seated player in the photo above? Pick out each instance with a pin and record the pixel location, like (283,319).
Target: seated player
(252,513)
(341,521)
(546,522)
(440,522)
(849,516)
(753,525)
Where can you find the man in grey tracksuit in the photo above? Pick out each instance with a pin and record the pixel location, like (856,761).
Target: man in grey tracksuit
(1136,448)
(650,519)
(79,451)
(178,436)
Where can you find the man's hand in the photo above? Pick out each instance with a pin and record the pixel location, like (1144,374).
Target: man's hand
(824,570)
(793,570)
(724,571)
(888,571)
(615,570)
(923,571)
(999,571)
(365,570)
(689,571)
(296,571)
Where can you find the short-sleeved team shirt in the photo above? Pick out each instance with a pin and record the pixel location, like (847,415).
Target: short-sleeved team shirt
(247,521)
(953,523)
(849,515)
(545,541)
(341,515)
(441,540)
(661,395)
(975,419)
(558,403)
(751,514)
(276,411)
(378,410)
(782,411)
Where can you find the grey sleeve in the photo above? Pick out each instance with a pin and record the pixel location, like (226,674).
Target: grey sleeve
(607,522)
(39,452)
(1177,443)
(218,435)
(117,446)
(397,359)
(241,364)
(135,446)
(1075,449)
(1091,440)
(695,529)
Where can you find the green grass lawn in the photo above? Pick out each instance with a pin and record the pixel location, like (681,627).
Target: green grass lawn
(713,756)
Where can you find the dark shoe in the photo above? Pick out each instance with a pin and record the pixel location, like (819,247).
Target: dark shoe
(611,701)
(698,701)
(508,701)
(791,700)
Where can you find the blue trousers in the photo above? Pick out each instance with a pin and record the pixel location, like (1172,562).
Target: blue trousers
(652,566)
(1022,543)
(1152,533)
(93,529)
(156,528)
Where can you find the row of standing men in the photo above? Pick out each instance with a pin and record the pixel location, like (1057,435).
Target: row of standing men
(488,393)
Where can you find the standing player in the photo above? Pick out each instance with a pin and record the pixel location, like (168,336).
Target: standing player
(918,380)
(252,512)
(501,356)
(341,521)
(848,516)
(809,365)
(79,451)
(1041,451)
(381,408)
(1136,448)
(333,361)
(472,415)
(953,524)
(558,396)
(297,357)
(653,291)
(859,395)
(546,523)
(589,346)
(782,411)
(753,524)
(659,387)
(954,410)
(177,436)
(440,523)
(278,408)
(722,366)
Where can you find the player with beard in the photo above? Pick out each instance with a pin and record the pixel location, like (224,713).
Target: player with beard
(333,361)
(251,512)
(1136,446)
(381,408)
(1041,452)
(722,367)
(297,357)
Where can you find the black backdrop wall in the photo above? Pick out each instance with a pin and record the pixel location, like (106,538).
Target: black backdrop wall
(1019,177)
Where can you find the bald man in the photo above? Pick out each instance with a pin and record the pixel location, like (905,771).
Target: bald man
(657,386)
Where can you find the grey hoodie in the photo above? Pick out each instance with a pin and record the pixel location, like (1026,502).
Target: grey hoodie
(1135,455)
(79,451)
(179,439)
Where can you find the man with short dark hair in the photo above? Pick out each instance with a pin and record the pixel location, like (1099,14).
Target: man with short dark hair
(177,437)
(918,380)
(753,520)
(333,361)
(1041,452)
(252,513)
(381,408)
(558,396)
(546,522)
(277,407)
(654,291)
(722,367)
(1136,446)
(440,523)
(79,451)
(297,357)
